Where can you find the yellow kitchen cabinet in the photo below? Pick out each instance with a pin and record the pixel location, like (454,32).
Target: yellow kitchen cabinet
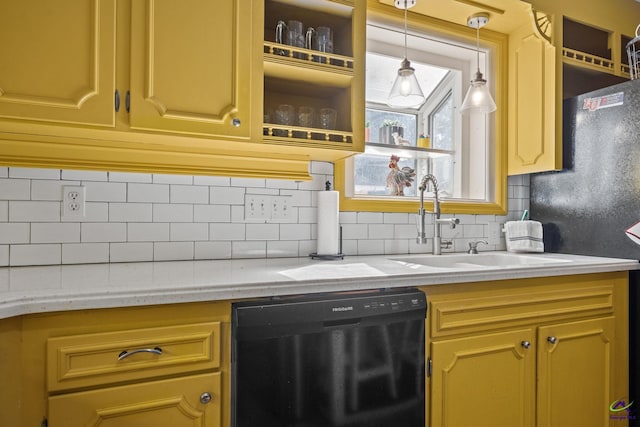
(530,352)
(187,401)
(58,61)
(486,380)
(192,65)
(144,366)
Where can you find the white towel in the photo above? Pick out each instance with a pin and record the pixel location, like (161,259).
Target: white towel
(524,236)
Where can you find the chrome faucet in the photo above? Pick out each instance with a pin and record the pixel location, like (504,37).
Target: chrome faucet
(437,222)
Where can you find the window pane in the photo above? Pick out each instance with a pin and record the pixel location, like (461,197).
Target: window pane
(404,124)
(372,176)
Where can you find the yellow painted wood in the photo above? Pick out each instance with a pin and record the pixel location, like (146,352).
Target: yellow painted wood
(58,62)
(575,375)
(532,90)
(91,359)
(583,373)
(486,380)
(173,402)
(191,68)
(11,371)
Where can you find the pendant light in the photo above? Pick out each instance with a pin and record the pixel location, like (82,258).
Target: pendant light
(478,98)
(405,92)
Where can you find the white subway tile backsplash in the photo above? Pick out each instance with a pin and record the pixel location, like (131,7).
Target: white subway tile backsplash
(79,175)
(226,196)
(295,231)
(185,232)
(212,250)
(84,253)
(4,211)
(48,189)
(262,232)
(35,254)
(282,249)
(172,179)
(15,189)
(370,217)
(105,191)
(130,212)
(17,232)
(4,257)
(189,194)
(243,249)
(150,193)
(169,251)
(212,213)
(172,213)
(130,177)
(227,231)
(104,232)
(130,252)
(143,217)
(63,232)
(34,211)
(381,231)
(147,232)
(34,173)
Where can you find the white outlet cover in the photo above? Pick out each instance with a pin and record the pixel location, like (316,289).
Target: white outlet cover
(73,202)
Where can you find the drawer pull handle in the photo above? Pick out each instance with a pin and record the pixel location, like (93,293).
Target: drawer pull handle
(525,344)
(127,353)
(552,340)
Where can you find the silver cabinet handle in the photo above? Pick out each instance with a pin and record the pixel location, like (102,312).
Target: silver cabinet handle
(552,340)
(235,122)
(205,397)
(525,344)
(127,353)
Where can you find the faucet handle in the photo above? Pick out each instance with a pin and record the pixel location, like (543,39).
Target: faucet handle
(473,246)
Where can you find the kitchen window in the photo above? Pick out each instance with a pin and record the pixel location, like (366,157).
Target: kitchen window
(464,152)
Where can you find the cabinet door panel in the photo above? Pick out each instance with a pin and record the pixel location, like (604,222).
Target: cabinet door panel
(58,62)
(575,373)
(174,402)
(191,66)
(485,380)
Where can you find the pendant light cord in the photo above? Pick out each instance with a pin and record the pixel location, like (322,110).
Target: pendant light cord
(405,29)
(478,43)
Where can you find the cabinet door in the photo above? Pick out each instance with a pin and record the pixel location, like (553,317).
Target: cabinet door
(486,380)
(575,365)
(175,402)
(191,66)
(58,61)
(533,146)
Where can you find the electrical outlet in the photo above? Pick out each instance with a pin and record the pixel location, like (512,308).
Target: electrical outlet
(257,207)
(281,209)
(73,202)
(495,233)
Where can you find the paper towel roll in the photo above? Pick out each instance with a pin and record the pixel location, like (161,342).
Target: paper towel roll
(328,223)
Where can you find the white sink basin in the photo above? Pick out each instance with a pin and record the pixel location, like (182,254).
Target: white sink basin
(492,260)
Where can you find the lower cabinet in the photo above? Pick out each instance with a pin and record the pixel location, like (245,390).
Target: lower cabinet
(552,353)
(189,401)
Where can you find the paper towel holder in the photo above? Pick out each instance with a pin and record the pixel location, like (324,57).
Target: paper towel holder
(339,255)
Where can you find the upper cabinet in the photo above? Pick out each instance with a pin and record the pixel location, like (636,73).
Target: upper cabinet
(58,61)
(192,66)
(314,75)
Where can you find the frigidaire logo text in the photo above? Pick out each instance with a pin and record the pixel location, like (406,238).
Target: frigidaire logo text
(346,308)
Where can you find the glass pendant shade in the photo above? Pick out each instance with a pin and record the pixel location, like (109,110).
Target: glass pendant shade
(405,91)
(478,97)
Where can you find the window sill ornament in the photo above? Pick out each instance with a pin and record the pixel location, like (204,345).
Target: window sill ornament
(478,98)
(399,178)
(406,91)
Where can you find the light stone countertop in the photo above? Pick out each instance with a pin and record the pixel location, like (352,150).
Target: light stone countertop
(39,289)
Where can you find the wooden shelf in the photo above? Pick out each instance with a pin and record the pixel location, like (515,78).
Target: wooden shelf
(405,151)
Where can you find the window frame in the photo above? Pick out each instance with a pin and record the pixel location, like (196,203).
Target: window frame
(497,70)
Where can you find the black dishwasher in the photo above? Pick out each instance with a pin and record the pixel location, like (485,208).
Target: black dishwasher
(350,358)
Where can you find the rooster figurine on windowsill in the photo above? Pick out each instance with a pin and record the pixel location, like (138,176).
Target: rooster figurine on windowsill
(398,178)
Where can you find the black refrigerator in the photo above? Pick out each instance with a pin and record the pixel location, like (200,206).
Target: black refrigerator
(586,208)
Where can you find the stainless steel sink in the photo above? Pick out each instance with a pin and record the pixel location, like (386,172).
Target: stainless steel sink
(486,260)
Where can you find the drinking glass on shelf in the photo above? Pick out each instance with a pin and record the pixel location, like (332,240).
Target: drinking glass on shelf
(295,36)
(328,118)
(285,115)
(324,39)
(306,116)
